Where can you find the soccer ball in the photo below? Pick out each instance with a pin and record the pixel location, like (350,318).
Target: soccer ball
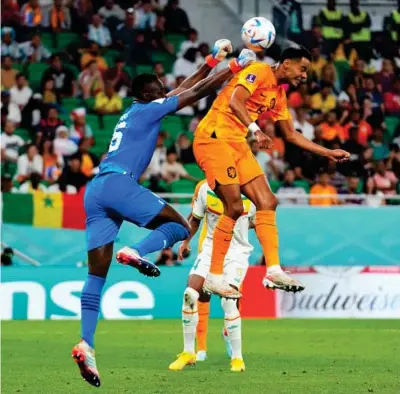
(258,34)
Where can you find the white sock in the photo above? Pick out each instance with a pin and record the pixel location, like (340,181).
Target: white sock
(190,318)
(274,269)
(233,325)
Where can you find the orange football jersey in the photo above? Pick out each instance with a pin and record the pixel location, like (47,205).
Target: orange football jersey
(266,96)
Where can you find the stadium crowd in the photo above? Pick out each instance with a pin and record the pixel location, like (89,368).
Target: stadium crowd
(66,72)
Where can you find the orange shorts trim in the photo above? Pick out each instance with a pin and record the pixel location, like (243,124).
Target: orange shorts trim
(226,162)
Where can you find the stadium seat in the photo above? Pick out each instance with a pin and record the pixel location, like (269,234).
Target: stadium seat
(48,41)
(74,69)
(35,74)
(304,184)
(89,103)
(110,56)
(174,125)
(176,40)
(71,103)
(126,102)
(274,185)
(18,66)
(183,186)
(194,170)
(143,68)
(391,123)
(130,71)
(23,133)
(66,38)
(165,58)
(109,122)
(93,121)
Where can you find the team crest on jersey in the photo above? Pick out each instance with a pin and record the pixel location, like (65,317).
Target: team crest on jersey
(251,78)
(272,103)
(231,172)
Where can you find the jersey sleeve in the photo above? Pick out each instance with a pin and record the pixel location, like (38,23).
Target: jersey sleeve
(251,77)
(199,200)
(157,109)
(281,109)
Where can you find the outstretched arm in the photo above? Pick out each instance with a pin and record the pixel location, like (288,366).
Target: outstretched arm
(296,138)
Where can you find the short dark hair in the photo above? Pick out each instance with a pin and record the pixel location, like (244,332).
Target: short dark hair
(295,52)
(19,75)
(54,56)
(140,81)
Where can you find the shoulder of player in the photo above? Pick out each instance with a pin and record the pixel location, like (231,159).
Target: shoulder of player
(201,187)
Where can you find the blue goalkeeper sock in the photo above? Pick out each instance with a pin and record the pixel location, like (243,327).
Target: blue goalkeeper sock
(90,306)
(162,237)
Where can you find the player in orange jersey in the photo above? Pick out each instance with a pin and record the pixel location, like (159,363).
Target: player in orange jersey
(222,152)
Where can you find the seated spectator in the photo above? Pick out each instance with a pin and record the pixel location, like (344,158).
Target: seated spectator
(140,52)
(108,102)
(72,175)
(317,62)
(262,157)
(323,187)
(53,162)
(93,54)
(337,179)
(297,194)
(62,76)
(145,17)
(10,14)
(79,129)
(49,92)
(81,15)
(153,171)
(364,128)
(88,159)
(357,75)
(301,124)
(47,127)
(90,80)
(158,38)
(60,18)
(372,95)
(172,170)
(32,185)
(9,110)
(8,74)
(9,47)
(352,145)
(332,131)
(119,78)
(351,187)
(28,163)
(184,148)
(323,101)
(191,42)
(62,144)
(33,51)
(392,99)
(167,257)
(21,92)
(125,33)
(379,146)
(386,78)
(348,101)
(112,10)
(98,32)
(329,77)
(177,20)
(383,181)
(31,15)
(33,112)
(10,143)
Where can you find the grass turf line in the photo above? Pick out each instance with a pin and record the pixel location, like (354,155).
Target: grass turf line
(282,356)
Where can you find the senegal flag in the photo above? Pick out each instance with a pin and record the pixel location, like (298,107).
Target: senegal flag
(47,209)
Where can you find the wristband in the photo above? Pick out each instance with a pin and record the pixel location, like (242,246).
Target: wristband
(234,66)
(211,61)
(253,128)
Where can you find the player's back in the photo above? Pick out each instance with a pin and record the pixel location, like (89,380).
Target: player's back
(266,95)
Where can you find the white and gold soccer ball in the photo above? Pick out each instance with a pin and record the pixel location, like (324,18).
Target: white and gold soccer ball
(258,33)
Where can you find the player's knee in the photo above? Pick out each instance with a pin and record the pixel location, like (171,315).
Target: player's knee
(230,308)
(235,209)
(267,204)
(190,297)
(174,232)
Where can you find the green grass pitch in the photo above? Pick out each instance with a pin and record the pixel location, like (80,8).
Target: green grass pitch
(282,356)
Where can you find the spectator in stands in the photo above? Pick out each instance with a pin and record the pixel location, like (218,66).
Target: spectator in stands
(28,163)
(191,42)
(364,128)
(392,99)
(32,113)
(10,143)
(21,92)
(158,38)
(31,185)
(81,15)
(8,74)
(393,163)
(332,23)
(9,47)
(47,127)
(9,110)
(352,187)
(318,62)
(49,92)
(288,187)
(53,162)
(140,52)
(386,78)
(204,50)
(172,170)
(88,159)
(337,179)
(94,54)
(108,102)
(126,32)
(72,175)
(119,78)
(34,51)
(31,15)
(177,20)
(323,187)
(352,145)
(301,124)
(332,131)
(382,181)
(79,129)
(63,77)
(153,171)
(90,80)
(323,101)
(10,14)
(145,17)
(60,18)
(357,75)
(112,10)
(184,148)
(379,147)
(98,32)
(371,93)
(348,101)
(329,77)
(287,13)
(62,144)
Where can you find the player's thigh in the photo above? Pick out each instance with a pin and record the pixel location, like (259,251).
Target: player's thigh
(248,166)
(235,270)
(218,161)
(260,194)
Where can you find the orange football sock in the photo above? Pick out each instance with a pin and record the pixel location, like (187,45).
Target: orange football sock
(267,234)
(202,325)
(221,240)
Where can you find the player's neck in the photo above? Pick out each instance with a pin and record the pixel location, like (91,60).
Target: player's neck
(278,72)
